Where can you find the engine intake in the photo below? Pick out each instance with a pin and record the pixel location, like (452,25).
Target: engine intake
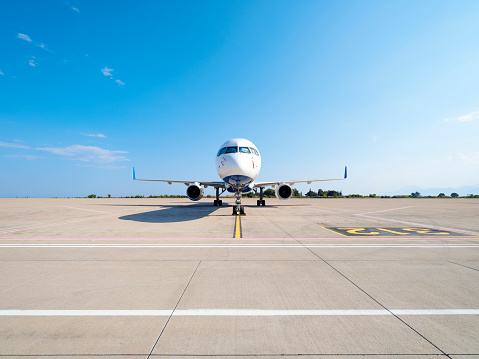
(283,191)
(194,192)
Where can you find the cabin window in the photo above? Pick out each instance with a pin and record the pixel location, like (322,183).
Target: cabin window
(244,150)
(231,149)
(220,152)
(253,150)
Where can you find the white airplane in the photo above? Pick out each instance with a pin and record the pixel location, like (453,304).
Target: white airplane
(238,163)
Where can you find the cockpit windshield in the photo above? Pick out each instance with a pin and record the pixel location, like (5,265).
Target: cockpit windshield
(231,149)
(235,150)
(221,151)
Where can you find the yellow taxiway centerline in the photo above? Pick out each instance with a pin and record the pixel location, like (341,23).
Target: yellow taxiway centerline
(237,227)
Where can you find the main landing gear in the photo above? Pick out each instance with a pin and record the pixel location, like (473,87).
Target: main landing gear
(218,201)
(261,201)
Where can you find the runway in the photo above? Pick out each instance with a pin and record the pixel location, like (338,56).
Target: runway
(140,278)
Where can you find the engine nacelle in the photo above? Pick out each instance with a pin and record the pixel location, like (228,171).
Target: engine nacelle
(194,192)
(283,191)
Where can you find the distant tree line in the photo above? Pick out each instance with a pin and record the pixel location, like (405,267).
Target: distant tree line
(270,193)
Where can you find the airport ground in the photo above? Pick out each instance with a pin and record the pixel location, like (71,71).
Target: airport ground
(139,278)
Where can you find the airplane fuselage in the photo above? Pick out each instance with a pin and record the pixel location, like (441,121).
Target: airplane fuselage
(238,163)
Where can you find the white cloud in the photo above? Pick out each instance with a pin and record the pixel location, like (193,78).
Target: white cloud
(32,62)
(119,82)
(465,118)
(470,158)
(43,46)
(26,157)
(75,9)
(87,154)
(13,145)
(107,71)
(94,135)
(1,73)
(24,37)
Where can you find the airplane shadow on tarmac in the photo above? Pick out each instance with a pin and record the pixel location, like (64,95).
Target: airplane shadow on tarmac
(172,213)
(177,213)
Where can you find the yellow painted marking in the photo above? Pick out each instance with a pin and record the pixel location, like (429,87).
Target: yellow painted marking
(334,231)
(423,231)
(391,231)
(237,227)
(355,231)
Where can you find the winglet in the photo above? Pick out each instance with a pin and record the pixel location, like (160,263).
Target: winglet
(134,177)
(345,172)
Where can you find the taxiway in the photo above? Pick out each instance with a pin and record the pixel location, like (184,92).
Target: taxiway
(139,278)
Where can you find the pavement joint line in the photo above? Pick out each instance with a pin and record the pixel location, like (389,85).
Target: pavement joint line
(171,315)
(238,312)
(462,265)
(379,303)
(279,227)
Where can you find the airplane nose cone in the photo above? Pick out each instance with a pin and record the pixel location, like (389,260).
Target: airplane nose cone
(238,170)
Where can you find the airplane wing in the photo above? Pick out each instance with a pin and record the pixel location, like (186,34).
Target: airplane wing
(187,183)
(277,183)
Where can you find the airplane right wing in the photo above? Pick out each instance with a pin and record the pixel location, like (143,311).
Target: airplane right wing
(277,183)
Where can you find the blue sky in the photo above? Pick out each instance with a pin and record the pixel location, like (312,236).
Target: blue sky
(89,89)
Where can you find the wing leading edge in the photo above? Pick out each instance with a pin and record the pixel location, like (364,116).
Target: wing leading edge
(187,183)
(267,184)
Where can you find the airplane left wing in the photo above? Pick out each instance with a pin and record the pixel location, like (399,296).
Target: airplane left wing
(267,184)
(187,183)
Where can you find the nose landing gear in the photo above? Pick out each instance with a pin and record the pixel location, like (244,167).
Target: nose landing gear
(238,208)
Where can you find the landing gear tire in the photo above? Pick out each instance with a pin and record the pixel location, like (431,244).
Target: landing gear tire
(260,202)
(239,210)
(217,202)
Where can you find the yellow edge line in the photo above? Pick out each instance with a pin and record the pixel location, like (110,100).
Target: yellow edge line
(335,232)
(237,227)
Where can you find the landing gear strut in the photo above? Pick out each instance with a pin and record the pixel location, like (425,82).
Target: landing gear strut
(238,208)
(261,201)
(218,201)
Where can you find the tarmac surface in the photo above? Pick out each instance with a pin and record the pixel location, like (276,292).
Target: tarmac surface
(316,278)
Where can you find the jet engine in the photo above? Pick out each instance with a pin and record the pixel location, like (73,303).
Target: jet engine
(283,191)
(194,192)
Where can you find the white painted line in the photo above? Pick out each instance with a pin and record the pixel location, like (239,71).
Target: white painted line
(239,312)
(55,313)
(384,210)
(338,245)
(54,224)
(92,210)
(234,240)
(436,312)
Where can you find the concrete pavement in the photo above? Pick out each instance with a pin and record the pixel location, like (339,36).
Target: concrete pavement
(183,284)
